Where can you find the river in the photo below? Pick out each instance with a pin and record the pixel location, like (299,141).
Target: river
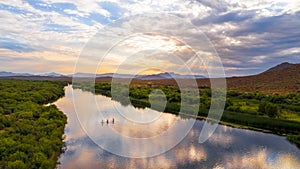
(86,140)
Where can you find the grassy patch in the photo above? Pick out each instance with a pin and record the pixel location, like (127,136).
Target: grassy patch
(294,139)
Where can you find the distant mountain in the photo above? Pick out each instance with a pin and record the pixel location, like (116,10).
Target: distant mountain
(168,75)
(282,79)
(52,74)
(10,74)
(5,74)
(81,75)
(159,76)
(91,75)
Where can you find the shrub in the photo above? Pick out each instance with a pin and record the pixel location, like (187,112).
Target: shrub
(269,109)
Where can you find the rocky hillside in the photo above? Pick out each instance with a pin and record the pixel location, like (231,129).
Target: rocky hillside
(282,79)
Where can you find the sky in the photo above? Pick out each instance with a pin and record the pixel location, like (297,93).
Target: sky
(249,36)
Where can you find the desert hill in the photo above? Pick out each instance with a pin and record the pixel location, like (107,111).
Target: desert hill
(282,79)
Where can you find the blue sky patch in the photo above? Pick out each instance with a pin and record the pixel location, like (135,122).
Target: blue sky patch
(15,45)
(112,8)
(99,18)
(56,27)
(13,9)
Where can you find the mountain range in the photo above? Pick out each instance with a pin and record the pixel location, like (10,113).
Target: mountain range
(11,74)
(159,76)
(281,79)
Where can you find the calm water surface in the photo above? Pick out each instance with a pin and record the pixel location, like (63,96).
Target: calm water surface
(227,148)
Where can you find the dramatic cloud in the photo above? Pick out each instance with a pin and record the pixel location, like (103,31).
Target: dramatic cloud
(40,36)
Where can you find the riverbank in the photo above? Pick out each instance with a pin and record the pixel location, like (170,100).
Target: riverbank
(30,132)
(289,129)
(295,139)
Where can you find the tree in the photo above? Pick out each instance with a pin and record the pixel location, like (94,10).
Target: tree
(18,164)
(1,110)
(25,122)
(272,110)
(262,108)
(269,109)
(228,103)
(38,159)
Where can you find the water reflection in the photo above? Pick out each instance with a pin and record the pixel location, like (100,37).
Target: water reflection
(134,129)
(227,148)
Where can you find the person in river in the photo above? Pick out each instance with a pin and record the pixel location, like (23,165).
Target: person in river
(113,120)
(107,121)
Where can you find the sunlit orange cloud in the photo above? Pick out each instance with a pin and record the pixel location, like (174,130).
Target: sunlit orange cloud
(63,61)
(113,70)
(44,67)
(64,69)
(105,70)
(150,71)
(40,61)
(143,65)
(47,55)
(40,67)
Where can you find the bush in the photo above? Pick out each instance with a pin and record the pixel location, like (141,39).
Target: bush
(269,109)
(18,164)
(29,122)
(294,139)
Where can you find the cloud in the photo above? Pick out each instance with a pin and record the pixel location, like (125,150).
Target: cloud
(248,35)
(15,45)
(254,34)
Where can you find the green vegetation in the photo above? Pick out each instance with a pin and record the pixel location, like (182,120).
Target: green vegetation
(30,133)
(270,113)
(269,109)
(294,139)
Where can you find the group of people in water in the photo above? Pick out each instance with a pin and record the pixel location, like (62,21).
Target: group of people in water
(107,121)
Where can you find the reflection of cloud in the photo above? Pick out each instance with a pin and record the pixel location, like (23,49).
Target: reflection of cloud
(221,139)
(227,148)
(84,159)
(191,154)
(260,159)
(66,105)
(160,123)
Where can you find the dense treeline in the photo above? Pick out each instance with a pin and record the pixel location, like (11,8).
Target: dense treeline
(275,113)
(30,132)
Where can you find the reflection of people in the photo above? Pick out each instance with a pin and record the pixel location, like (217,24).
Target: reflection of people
(102,122)
(107,121)
(113,121)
